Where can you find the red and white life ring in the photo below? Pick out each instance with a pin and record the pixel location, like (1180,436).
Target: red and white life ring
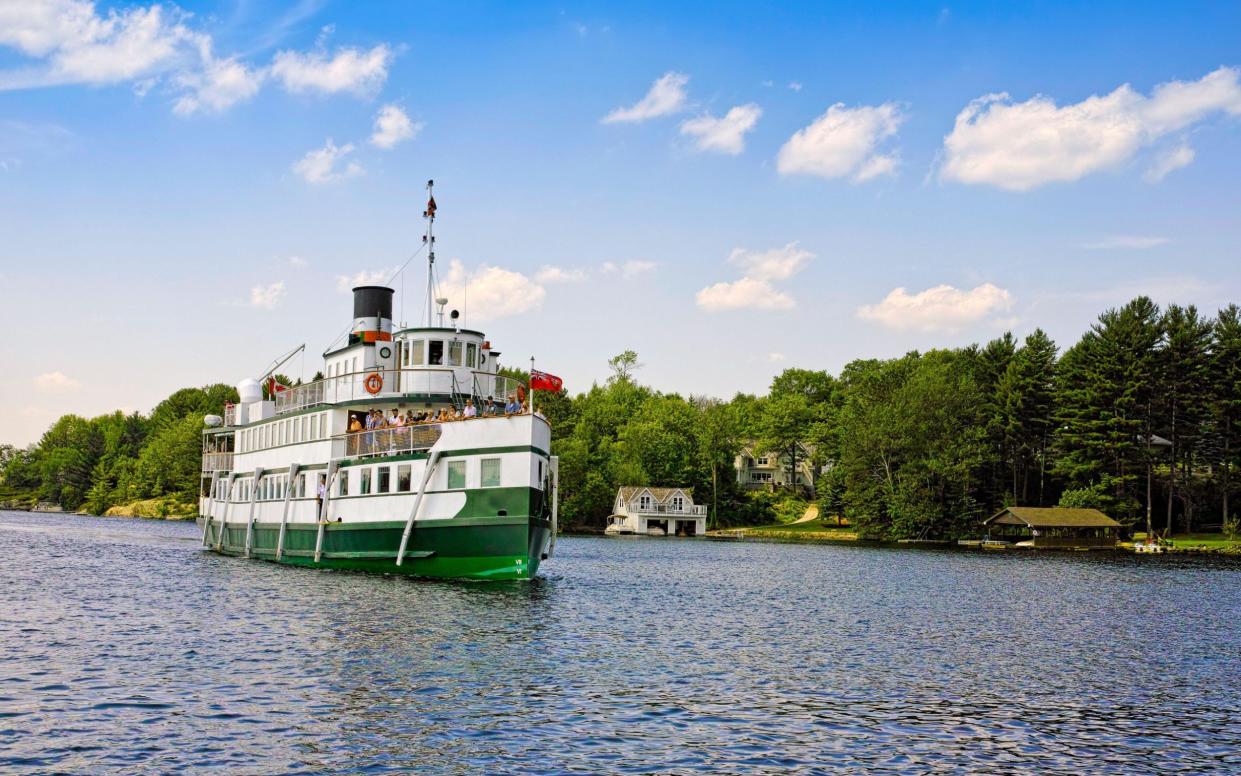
(374,383)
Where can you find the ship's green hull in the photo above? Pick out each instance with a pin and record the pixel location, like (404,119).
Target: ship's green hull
(495,548)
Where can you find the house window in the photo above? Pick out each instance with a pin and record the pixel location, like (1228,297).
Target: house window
(490,476)
(678,503)
(402,478)
(761,460)
(471,355)
(435,352)
(385,479)
(454,353)
(456,475)
(365,487)
(644,502)
(760,476)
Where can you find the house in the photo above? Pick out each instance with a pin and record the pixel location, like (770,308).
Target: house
(657,512)
(770,470)
(1053,527)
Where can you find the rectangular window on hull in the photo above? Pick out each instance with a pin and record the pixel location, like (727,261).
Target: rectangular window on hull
(456,475)
(385,479)
(403,478)
(490,475)
(365,487)
(344,482)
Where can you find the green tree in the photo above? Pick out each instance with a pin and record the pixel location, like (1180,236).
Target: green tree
(718,442)
(1226,390)
(1183,397)
(1025,400)
(784,428)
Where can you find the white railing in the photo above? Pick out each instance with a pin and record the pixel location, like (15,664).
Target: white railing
(217,462)
(230,414)
(386,441)
(481,387)
(660,509)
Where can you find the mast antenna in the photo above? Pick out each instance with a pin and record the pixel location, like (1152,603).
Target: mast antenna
(428,240)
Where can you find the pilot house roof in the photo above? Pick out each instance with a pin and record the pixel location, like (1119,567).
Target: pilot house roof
(1052,517)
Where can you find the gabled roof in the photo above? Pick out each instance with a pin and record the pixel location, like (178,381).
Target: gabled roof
(748,447)
(1052,517)
(628,492)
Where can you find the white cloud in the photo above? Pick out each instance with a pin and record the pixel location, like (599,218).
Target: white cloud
(727,134)
(220,84)
(1169,161)
(628,269)
(746,293)
(667,95)
(1126,242)
(795,86)
(550,274)
(348,70)
(267,297)
(392,126)
(56,381)
(941,308)
(772,264)
(1019,146)
(298,261)
(327,164)
(843,142)
(379,277)
(775,357)
(490,292)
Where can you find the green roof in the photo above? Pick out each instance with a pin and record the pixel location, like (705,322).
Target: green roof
(1052,517)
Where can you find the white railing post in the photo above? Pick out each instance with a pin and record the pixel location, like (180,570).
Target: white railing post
(228,506)
(215,478)
(284,516)
(333,469)
(413,513)
(254,495)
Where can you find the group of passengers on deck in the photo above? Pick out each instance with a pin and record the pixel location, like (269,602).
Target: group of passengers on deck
(375,421)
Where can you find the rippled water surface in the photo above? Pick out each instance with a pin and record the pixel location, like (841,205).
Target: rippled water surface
(126,648)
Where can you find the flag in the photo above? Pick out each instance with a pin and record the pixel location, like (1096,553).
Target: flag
(542,381)
(430,212)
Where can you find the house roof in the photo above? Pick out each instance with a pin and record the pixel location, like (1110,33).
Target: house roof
(661,495)
(1052,517)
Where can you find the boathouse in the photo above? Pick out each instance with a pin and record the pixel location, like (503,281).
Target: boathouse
(657,512)
(1053,527)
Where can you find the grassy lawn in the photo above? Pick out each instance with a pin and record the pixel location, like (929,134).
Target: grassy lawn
(1212,541)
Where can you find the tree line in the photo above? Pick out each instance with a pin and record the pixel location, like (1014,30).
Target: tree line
(1140,418)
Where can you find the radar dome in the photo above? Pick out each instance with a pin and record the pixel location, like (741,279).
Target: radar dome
(213,421)
(249,390)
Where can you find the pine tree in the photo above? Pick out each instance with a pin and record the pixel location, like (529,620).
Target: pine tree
(1226,399)
(1183,368)
(1025,397)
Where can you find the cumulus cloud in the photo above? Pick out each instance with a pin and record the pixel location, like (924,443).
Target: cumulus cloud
(218,85)
(774,264)
(843,142)
(1126,242)
(297,261)
(491,292)
(327,164)
(941,308)
(349,69)
(726,134)
(56,381)
(550,274)
(628,269)
(1021,145)
(743,294)
(775,357)
(392,126)
(1167,162)
(267,297)
(754,289)
(666,95)
(378,277)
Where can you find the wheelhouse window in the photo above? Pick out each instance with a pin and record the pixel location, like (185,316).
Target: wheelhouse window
(435,352)
(456,475)
(471,355)
(415,352)
(490,474)
(454,353)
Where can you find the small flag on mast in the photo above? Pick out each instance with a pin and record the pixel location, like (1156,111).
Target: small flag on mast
(542,381)
(430,211)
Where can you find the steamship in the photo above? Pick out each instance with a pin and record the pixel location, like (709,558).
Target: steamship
(285,480)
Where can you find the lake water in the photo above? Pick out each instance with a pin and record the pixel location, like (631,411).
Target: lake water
(127,648)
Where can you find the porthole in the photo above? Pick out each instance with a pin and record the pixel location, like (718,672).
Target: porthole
(385,352)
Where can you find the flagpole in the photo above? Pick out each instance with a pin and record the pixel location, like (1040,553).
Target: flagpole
(532,385)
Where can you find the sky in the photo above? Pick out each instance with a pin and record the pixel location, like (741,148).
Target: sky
(729,189)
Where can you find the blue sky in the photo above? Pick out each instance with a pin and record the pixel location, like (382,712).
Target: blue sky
(185,190)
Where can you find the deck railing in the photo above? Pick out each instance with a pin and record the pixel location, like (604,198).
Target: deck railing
(662,509)
(386,441)
(230,415)
(213,462)
(481,387)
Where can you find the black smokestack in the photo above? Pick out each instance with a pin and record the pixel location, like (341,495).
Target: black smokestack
(369,301)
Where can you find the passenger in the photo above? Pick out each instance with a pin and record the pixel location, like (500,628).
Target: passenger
(470,410)
(352,440)
(512,407)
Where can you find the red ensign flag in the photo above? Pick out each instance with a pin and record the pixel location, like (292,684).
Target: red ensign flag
(542,381)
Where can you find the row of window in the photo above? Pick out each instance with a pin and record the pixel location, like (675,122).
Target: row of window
(431,352)
(365,480)
(760,476)
(270,487)
(304,428)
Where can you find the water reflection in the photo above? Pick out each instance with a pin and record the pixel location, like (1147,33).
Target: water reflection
(129,649)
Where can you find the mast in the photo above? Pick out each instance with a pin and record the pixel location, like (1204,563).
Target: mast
(428,239)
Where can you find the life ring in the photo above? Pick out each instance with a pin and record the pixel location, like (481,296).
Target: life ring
(374,383)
